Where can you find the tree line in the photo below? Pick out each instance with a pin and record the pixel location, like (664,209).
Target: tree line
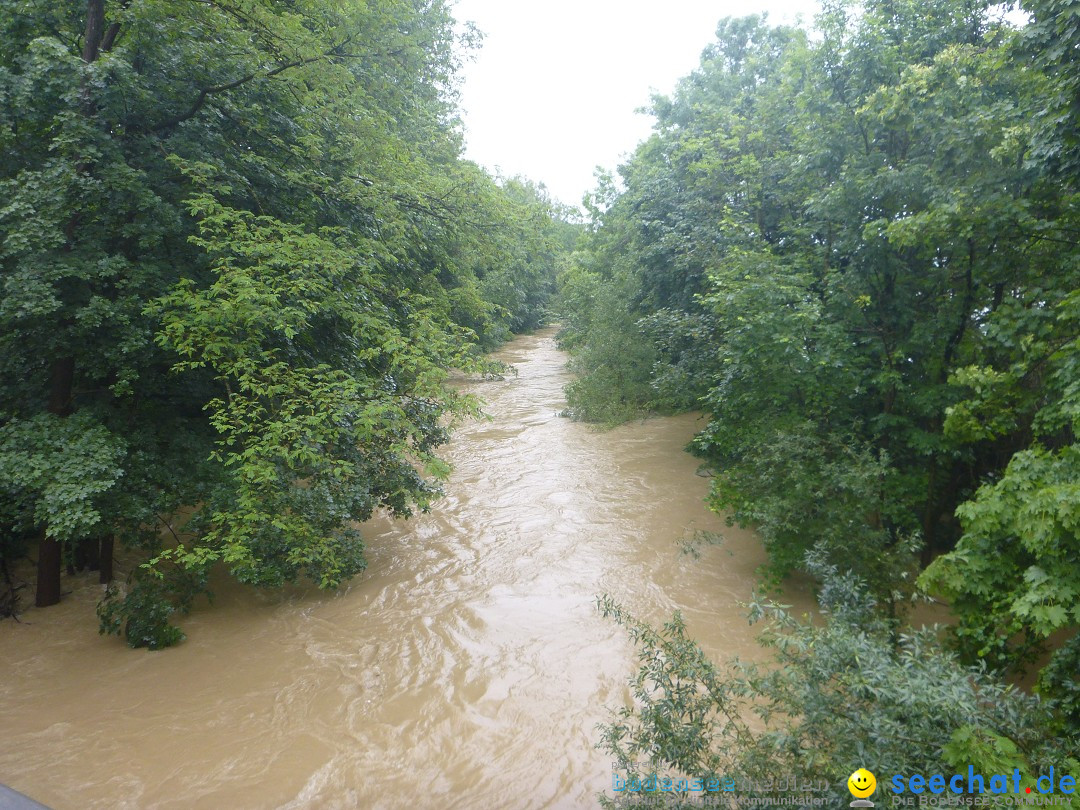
(856,248)
(239,251)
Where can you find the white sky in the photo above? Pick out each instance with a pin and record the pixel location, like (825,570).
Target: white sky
(552,92)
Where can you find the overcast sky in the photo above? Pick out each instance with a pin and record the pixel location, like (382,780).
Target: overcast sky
(553,90)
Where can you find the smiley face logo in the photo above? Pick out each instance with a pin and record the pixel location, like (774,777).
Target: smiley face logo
(861,783)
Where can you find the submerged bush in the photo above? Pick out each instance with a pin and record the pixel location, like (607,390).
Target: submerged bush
(852,691)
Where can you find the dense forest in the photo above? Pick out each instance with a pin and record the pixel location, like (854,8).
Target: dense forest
(239,251)
(856,249)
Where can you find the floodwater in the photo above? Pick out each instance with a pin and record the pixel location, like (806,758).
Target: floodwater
(467,668)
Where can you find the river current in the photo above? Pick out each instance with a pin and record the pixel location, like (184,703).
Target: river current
(466,668)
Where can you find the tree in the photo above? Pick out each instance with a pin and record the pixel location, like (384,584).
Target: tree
(1011,578)
(239,250)
(856,251)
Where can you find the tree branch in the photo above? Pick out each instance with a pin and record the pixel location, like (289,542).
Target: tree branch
(206,92)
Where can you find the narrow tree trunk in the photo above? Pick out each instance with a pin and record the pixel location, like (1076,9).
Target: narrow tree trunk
(95,30)
(48,571)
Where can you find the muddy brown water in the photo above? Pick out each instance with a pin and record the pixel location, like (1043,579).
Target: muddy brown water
(467,668)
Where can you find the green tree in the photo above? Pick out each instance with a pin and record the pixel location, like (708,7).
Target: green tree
(818,234)
(1012,577)
(238,250)
(856,251)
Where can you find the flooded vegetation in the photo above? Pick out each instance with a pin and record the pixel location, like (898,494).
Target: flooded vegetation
(280,401)
(468,659)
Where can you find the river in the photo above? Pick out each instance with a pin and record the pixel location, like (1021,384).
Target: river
(466,668)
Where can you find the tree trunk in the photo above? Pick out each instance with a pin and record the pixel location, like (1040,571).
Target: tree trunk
(48,571)
(95,30)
